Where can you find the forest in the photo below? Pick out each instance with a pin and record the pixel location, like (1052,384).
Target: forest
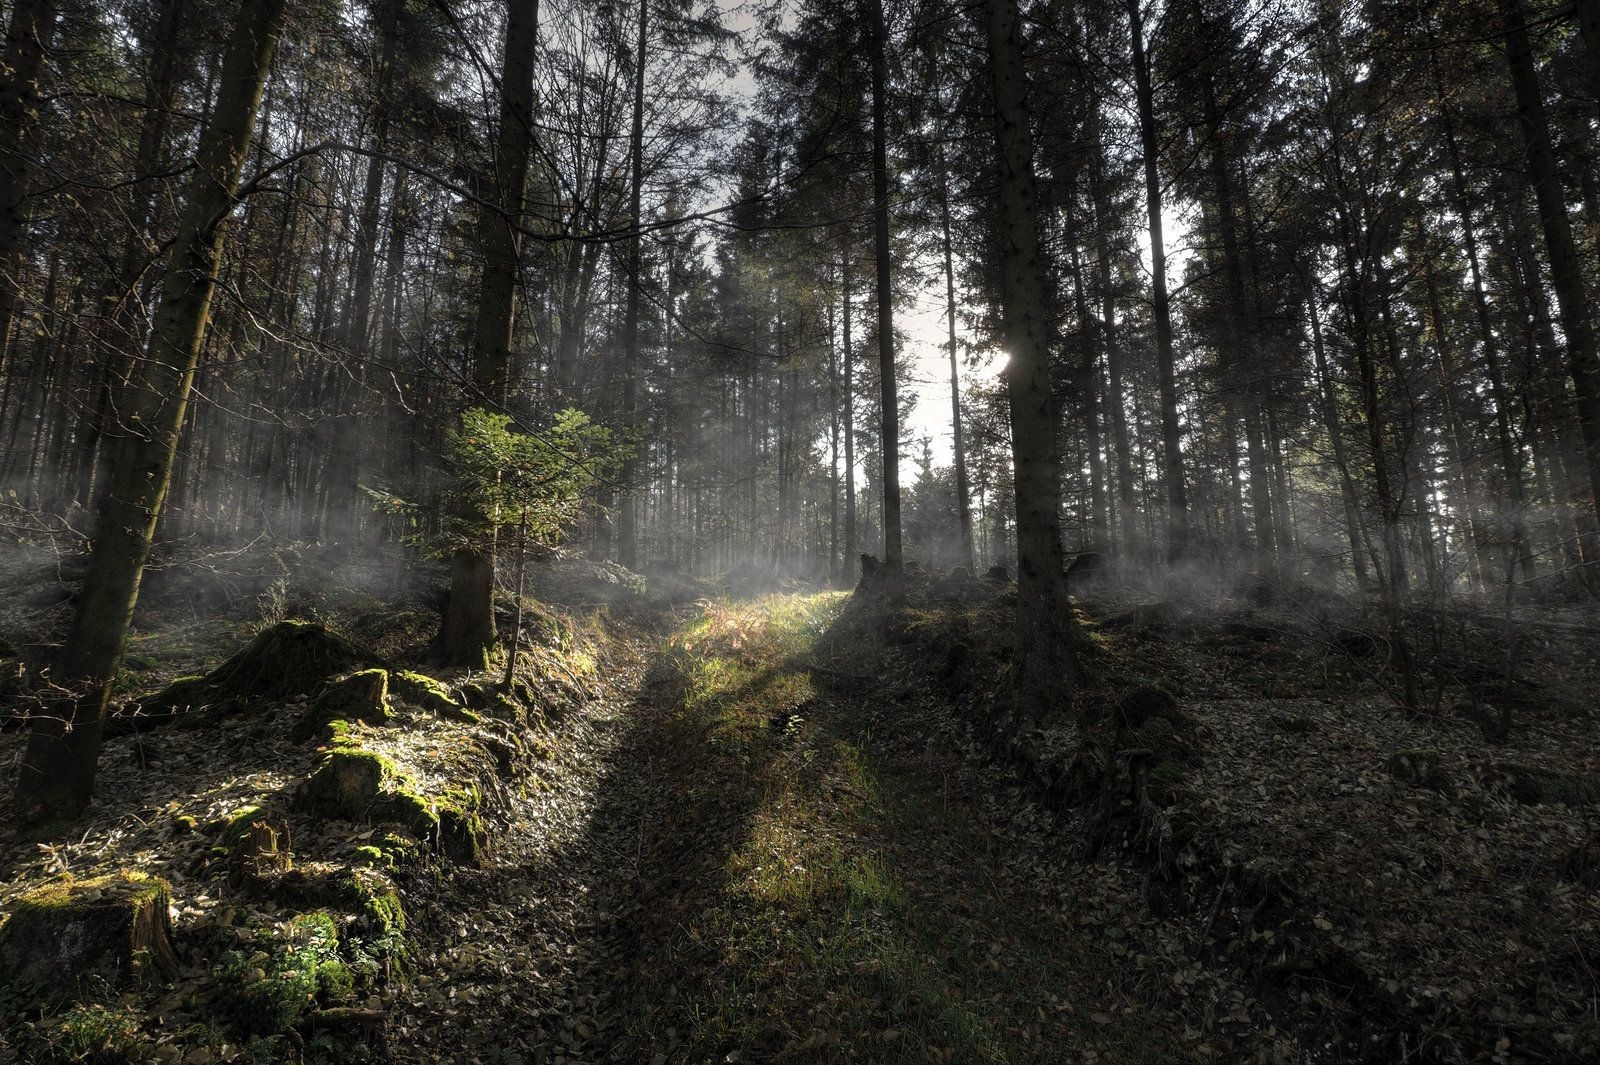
(904,531)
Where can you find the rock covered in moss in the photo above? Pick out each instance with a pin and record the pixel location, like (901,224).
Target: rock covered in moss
(1144,704)
(360,696)
(517,703)
(112,927)
(273,990)
(1153,741)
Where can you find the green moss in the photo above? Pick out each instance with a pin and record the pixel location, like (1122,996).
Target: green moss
(139,663)
(186,823)
(397,849)
(356,785)
(185,693)
(126,885)
(414,811)
(461,828)
(233,831)
(271,991)
(423,691)
(335,982)
(360,696)
(384,914)
(92,1032)
(68,931)
(373,856)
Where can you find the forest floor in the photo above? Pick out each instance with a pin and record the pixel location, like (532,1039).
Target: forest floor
(780,828)
(759,858)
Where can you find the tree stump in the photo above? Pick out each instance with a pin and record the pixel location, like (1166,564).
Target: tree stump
(112,927)
(286,660)
(361,696)
(1085,569)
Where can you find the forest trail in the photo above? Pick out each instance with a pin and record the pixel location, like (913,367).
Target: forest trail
(756,858)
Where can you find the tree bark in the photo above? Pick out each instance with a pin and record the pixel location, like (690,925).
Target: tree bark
(849,379)
(344,466)
(1127,522)
(1043,668)
(963,488)
(627,517)
(1521,558)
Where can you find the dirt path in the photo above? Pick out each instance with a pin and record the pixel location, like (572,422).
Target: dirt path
(753,859)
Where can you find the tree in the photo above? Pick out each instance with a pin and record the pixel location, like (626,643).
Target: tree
(1566,269)
(1166,362)
(878,46)
(58,768)
(468,635)
(1043,668)
(28,39)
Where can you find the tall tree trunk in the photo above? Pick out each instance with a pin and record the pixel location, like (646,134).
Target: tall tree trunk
(963,489)
(849,378)
(833,451)
(1362,290)
(467,636)
(1456,436)
(58,769)
(1089,377)
(1588,15)
(28,40)
(893,555)
(1127,522)
(119,338)
(627,518)
(1241,330)
(1166,363)
(1566,270)
(1043,667)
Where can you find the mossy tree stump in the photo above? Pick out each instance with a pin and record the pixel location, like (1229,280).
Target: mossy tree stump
(111,927)
(360,696)
(289,659)
(356,785)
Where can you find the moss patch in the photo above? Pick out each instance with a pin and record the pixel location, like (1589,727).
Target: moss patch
(424,692)
(272,990)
